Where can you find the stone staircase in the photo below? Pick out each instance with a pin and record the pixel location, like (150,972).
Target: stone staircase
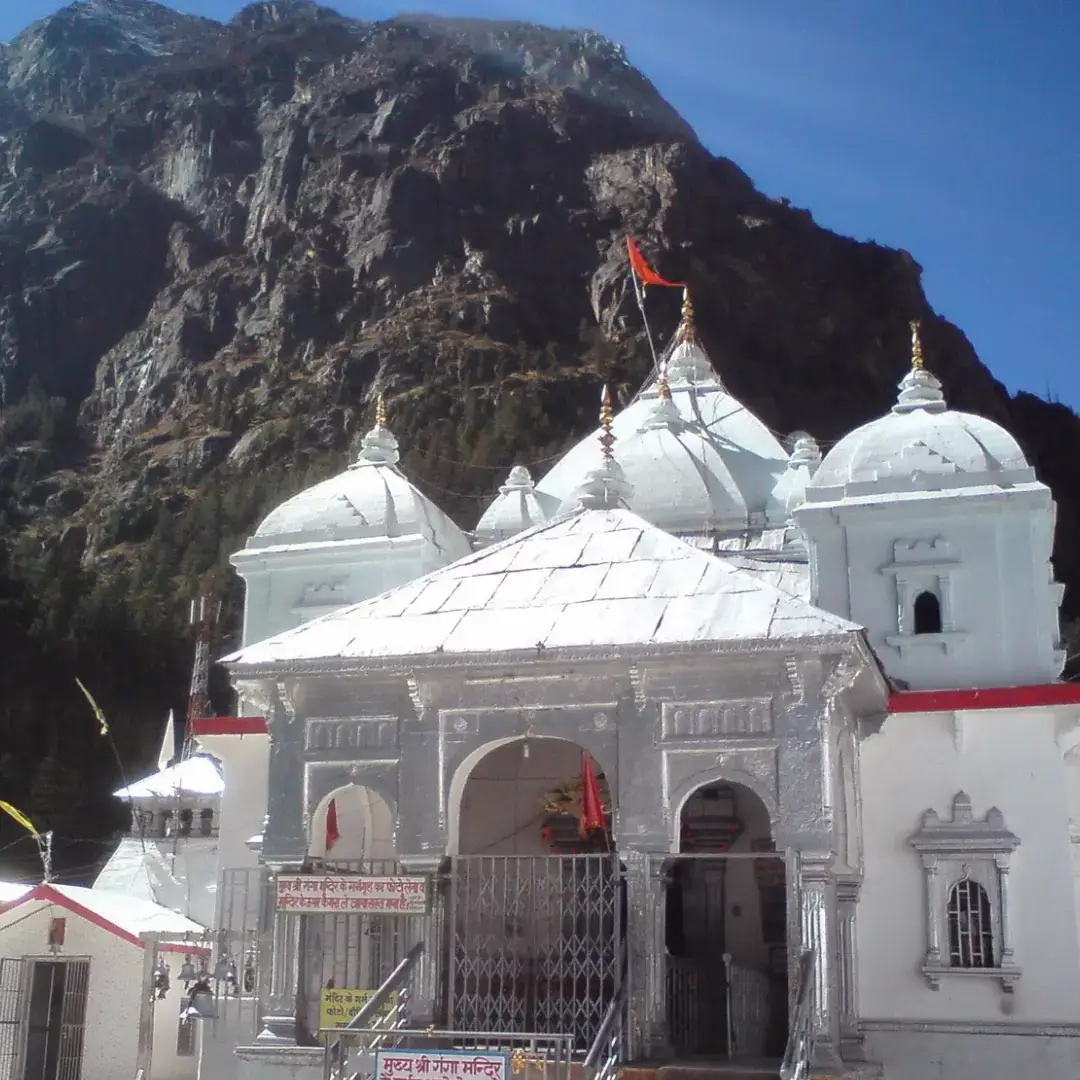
(703,1069)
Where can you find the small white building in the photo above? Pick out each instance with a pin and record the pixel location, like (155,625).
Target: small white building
(74,996)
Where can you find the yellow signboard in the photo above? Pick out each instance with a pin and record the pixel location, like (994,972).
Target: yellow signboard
(338,1007)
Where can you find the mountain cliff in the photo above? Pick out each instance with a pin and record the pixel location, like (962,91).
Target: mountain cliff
(217,241)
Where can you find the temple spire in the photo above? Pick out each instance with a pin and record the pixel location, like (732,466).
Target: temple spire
(687,330)
(379,446)
(380,411)
(607,437)
(916,347)
(662,387)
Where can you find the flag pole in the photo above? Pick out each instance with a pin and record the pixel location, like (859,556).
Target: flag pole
(639,292)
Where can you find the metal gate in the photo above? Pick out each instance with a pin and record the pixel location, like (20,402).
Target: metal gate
(534,943)
(73,1019)
(11,976)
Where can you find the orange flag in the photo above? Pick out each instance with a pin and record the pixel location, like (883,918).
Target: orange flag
(592,808)
(645,272)
(332,834)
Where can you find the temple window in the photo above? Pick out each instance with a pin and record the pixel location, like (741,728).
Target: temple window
(965,865)
(971,934)
(206,822)
(927,613)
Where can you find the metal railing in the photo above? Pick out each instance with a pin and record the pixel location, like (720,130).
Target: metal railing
(374,1020)
(609,1049)
(532,1055)
(800,1045)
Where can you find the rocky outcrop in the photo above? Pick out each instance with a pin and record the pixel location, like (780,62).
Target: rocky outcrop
(216,241)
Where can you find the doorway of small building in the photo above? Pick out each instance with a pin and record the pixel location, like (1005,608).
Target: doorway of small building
(55,1019)
(727,969)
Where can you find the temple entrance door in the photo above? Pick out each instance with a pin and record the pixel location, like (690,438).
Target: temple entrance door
(534,934)
(727,931)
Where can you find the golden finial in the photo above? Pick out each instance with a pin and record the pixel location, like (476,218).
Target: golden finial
(662,384)
(916,347)
(380,411)
(607,439)
(687,330)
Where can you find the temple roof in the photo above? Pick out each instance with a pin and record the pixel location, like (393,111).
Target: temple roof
(196,775)
(593,579)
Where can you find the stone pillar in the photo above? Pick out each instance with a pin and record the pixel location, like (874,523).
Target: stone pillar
(646,933)
(847,899)
(279,1019)
(284,838)
(425,1007)
(820,933)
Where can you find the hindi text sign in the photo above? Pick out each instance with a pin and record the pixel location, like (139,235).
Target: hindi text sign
(440,1065)
(338,1007)
(317,894)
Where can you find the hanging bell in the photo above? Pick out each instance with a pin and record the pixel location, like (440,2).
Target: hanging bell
(221,969)
(161,981)
(200,1003)
(187,970)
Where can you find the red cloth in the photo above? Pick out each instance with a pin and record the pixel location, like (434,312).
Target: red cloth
(645,272)
(332,833)
(592,808)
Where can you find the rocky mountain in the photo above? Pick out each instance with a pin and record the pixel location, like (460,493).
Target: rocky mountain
(218,241)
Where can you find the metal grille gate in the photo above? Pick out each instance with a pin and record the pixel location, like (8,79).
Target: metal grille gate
(353,951)
(73,1019)
(534,943)
(11,976)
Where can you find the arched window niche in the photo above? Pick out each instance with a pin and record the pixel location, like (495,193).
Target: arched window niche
(926,613)
(966,871)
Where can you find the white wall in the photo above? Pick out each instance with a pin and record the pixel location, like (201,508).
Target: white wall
(288,586)
(111,1038)
(1003,603)
(1009,759)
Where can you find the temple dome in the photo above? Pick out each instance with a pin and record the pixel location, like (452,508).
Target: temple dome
(920,445)
(371,499)
(516,508)
(698,457)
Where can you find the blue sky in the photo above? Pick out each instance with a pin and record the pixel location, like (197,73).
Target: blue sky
(949,128)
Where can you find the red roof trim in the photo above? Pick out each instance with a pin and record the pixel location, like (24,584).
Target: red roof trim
(228,725)
(53,896)
(993,697)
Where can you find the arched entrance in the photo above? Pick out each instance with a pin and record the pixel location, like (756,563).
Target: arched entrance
(351,831)
(536,910)
(351,824)
(727,928)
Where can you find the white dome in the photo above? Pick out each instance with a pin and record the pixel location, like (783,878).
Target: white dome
(370,499)
(516,508)
(920,445)
(699,459)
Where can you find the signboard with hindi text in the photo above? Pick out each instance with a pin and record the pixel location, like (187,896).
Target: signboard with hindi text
(440,1065)
(338,1007)
(325,894)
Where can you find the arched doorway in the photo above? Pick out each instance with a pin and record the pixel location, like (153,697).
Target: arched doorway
(352,824)
(351,831)
(727,928)
(524,798)
(536,909)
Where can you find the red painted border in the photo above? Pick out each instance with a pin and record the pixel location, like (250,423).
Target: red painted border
(228,725)
(54,896)
(993,697)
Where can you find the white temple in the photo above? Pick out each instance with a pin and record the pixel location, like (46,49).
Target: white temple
(822,698)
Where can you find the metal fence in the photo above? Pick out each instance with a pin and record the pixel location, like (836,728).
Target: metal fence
(354,951)
(11,983)
(534,944)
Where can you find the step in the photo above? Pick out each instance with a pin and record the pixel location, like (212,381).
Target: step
(703,1069)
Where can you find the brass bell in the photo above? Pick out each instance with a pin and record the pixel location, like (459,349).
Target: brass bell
(187,970)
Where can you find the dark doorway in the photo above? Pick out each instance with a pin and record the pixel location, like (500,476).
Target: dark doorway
(56,1017)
